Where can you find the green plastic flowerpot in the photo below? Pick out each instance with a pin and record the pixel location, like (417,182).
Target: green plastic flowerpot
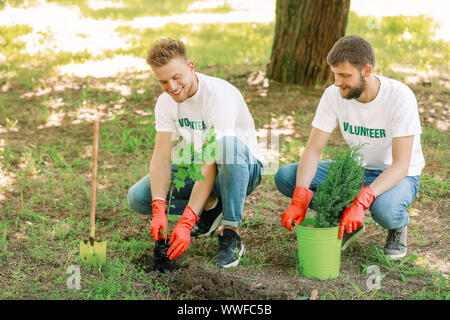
(319,251)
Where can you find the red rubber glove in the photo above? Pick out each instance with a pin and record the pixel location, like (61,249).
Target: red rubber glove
(181,235)
(297,210)
(158,226)
(353,216)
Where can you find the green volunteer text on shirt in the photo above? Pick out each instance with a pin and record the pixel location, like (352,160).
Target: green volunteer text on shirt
(365,132)
(194,125)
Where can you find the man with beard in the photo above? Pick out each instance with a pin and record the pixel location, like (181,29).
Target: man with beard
(379,114)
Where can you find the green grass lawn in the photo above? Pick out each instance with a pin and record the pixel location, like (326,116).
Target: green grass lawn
(45,168)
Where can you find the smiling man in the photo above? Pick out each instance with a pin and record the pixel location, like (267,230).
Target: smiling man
(381,115)
(193,103)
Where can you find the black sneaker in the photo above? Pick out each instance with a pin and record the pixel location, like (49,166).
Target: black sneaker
(230,250)
(349,238)
(208,222)
(396,246)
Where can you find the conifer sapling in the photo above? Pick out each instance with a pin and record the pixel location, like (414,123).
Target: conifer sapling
(344,180)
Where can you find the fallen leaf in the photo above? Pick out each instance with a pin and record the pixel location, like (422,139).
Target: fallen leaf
(20,236)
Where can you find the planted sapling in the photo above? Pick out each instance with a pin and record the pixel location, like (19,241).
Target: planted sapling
(190,168)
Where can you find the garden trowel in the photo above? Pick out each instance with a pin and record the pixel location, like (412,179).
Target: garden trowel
(93,252)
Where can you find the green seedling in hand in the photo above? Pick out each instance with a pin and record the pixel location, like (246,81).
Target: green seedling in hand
(193,168)
(344,180)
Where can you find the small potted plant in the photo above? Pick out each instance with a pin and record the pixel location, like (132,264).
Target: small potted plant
(190,167)
(319,248)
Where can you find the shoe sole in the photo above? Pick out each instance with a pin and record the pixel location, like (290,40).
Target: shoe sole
(236,262)
(213,228)
(396,256)
(355,237)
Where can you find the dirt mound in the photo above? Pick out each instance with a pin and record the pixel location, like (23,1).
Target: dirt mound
(208,283)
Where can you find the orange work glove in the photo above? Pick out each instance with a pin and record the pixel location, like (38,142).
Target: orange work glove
(181,235)
(296,211)
(353,216)
(158,226)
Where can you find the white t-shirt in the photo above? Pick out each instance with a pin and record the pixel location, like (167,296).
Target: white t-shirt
(216,103)
(393,113)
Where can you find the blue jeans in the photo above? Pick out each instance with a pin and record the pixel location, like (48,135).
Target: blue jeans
(388,209)
(238,174)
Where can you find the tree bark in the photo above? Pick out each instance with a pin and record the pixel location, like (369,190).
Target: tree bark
(305,31)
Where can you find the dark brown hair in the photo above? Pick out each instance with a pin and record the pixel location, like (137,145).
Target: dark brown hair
(164,50)
(352,49)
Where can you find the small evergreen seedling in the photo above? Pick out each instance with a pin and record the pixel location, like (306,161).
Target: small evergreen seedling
(344,180)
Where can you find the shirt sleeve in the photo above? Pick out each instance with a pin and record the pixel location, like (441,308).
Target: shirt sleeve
(405,119)
(164,115)
(326,117)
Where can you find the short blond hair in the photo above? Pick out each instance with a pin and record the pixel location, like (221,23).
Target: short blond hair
(164,50)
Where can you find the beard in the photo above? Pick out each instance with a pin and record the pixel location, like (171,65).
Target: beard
(355,93)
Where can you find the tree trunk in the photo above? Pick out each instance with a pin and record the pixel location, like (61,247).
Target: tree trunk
(305,31)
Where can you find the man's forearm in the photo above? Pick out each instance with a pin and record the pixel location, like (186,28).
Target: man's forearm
(202,189)
(307,168)
(160,176)
(389,178)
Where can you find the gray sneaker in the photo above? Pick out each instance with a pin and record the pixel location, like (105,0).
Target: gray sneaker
(396,246)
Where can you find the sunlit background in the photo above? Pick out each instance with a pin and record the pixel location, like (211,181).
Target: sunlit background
(49,47)
(95,26)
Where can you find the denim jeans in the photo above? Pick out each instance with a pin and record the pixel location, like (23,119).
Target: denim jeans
(238,174)
(388,209)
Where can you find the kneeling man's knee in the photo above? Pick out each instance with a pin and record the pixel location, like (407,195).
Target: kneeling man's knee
(389,215)
(282,181)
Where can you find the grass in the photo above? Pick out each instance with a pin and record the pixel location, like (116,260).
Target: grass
(121,139)
(407,271)
(205,44)
(46,147)
(403,42)
(3,240)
